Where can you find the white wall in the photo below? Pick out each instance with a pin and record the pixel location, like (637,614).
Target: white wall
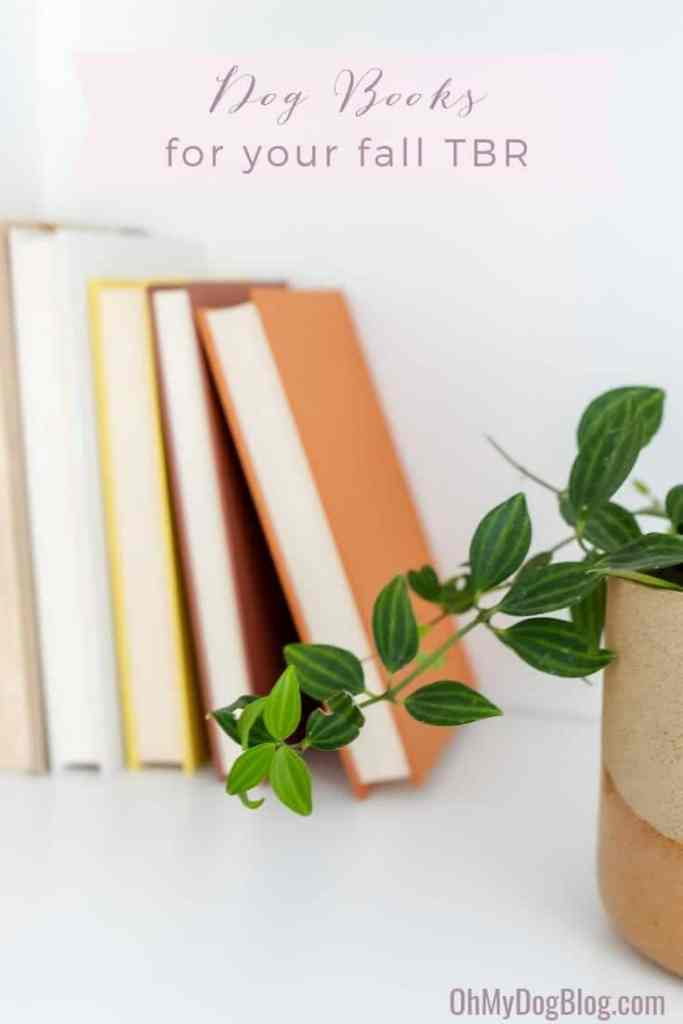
(479,315)
(20,173)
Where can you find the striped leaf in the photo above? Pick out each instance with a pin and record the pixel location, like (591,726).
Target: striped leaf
(567,510)
(643,579)
(337,727)
(588,615)
(425,583)
(651,551)
(282,710)
(323,669)
(649,403)
(228,721)
(447,703)
(500,543)
(601,467)
(547,588)
(611,526)
(394,625)
(250,768)
(457,595)
(674,506)
(291,780)
(554,646)
(537,562)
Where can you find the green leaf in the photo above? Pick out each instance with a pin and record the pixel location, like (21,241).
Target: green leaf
(394,625)
(291,780)
(500,543)
(241,702)
(282,712)
(554,646)
(425,583)
(253,805)
(643,579)
(447,703)
(251,713)
(674,506)
(454,596)
(259,734)
(602,465)
(229,722)
(336,728)
(539,561)
(567,511)
(588,615)
(323,669)
(547,588)
(250,768)
(648,402)
(457,595)
(611,526)
(651,551)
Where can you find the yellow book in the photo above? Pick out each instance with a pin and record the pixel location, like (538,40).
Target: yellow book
(159,709)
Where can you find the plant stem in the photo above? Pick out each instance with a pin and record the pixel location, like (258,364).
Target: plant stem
(433,657)
(521,469)
(651,510)
(562,544)
(580,527)
(373,700)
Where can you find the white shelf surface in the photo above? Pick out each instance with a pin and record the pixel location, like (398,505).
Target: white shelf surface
(155,897)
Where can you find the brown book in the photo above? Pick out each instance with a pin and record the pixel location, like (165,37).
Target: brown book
(239,617)
(330,491)
(22,730)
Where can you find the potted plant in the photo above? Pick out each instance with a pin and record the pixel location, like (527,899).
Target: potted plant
(627,583)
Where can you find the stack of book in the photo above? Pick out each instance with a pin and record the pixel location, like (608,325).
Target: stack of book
(193,473)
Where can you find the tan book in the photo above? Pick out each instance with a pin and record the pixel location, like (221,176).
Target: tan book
(238,613)
(22,731)
(331,493)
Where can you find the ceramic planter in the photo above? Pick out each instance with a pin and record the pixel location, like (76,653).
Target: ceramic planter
(641,820)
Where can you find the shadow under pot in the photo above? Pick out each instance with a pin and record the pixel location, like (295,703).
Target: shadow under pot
(641,815)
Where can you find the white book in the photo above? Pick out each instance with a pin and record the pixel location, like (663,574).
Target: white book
(50,274)
(220,636)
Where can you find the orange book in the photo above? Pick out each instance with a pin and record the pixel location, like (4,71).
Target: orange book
(331,494)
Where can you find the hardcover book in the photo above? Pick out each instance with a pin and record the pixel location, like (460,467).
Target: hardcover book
(22,730)
(331,493)
(50,273)
(240,619)
(160,716)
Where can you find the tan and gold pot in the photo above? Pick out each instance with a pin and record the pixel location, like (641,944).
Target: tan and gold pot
(641,815)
